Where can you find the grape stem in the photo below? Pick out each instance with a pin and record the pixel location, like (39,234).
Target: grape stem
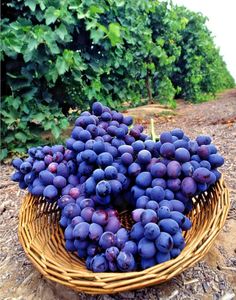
(153,135)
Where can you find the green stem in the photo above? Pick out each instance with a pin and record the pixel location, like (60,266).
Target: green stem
(153,135)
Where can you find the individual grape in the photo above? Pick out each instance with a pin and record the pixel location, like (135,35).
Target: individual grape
(192,147)
(97,108)
(68,233)
(216,160)
(86,213)
(164,242)
(159,182)
(166,203)
(137,231)
(135,132)
(111,172)
(147,262)
(93,129)
(177,132)
(122,236)
(125,149)
(195,164)
(142,201)
(146,248)
(38,166)
(52,167)
(48,159)
(81,230)
(202,175)
(138,146)
(127,159)
(202,187)
(78,146)
(148,216)
(169,195)
(81,244)
(187,224)
(25,167)
(95,231)
(195,158)
(151,231)
(163,212)
(58,157)
(174,184)
(17,176)
(38,190)
(178,217)
(116,186)
(134,169)
(17,162)
(129,139)
(131,247)
(59,182)
(162,257)
(158,170)
(92,249)
(187,169)
(157,193)
(167,150)
(144,179)
(127,120)
(205,164)
(82,253)
(144,156)
(50,192)
(152,205)
(39,155)
(76,220)
(89,156)
(203,140)
(113,225)
(86,202)
(173,169)
(136,214)
(29,178)
(137,192)
(112,253)
(98,175)
(104,159)
(178,239)
(212,148)
(63,221)
(100,217)
(169,225)
(90,186)
(103,188)
(107,240)
(181,144)
(66,189)
(125,261)
(69,245)
(99,263)
(149,145)
(74,192)
(175,252)
(177,205)
(182,155)
(203,152)
(217,174)
(71,210)
(166,137)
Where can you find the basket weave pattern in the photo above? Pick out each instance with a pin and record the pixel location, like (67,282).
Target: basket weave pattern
(43,241)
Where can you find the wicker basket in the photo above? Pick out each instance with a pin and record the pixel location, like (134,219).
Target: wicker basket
(43,241)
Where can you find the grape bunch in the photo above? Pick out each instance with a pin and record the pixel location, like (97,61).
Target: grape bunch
(108,165)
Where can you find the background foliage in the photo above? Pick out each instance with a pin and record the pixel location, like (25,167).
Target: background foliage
(61,54)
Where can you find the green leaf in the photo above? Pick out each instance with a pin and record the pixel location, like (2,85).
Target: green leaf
(38,118)
(114,33)
(21,137)
(61,65)
(95,9)
(3,153)
(96,35)
(31,4)
(61,32)
(51,15)
(56,131)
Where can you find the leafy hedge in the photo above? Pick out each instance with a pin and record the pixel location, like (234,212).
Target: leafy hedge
(61,54)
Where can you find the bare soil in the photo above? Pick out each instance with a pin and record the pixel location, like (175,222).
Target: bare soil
(212,278)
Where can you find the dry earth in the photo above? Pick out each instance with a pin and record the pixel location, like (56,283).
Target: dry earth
(212,278)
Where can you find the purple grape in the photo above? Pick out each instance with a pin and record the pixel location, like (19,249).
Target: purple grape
(113,225)
(166,203)
(177,132)
(181,144)
(81,230)
(59,182)
(202,175)
(125,261)
(178,239)
(17,162)
(95,231)
(131,247)
(127,120)
(99,263)
(68,233)
(166,137)
(167,150)
(147,262)
(116,186)
(169,195)
(158,170)
(76,220)
(182,155)
(159,182)
(163,212)
(142,201)
(136,214)
(148,216)
(122,237)
(189,186)
(151,231)
(100,217)
(107,240)
(144,156)
(175,252)
(134,169)
(71,210)
(174,184)
(192,147)
(203,140)
(162,257)
(146,248)
(137,231)
(111,253)
(216,160)
(86,213)
(25,167)
(50,192)
(104,159)
(164,242)
(173,169)
(38,190)
(157,193)
(144,179)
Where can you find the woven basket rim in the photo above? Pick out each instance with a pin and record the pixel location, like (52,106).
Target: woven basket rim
(69,270)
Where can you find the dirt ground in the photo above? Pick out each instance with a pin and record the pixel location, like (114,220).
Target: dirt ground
(212,278)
